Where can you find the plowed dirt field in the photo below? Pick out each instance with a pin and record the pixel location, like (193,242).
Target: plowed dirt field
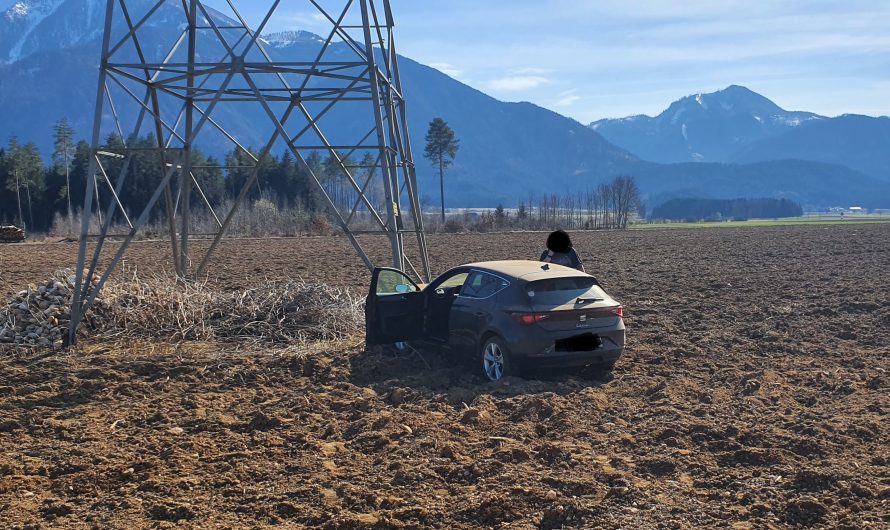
(754,393)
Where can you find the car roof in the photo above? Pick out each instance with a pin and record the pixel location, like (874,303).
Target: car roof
(526,269)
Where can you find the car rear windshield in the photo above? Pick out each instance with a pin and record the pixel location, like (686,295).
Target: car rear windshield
(559,291)
(570,283)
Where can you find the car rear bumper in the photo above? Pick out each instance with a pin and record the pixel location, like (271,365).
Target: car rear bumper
(600,356)
(542,351)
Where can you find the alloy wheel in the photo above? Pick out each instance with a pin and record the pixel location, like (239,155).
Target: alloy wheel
(493,361)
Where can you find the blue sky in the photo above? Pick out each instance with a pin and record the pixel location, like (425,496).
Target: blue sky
(591,59)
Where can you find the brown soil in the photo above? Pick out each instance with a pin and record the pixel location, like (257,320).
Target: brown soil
(754,392)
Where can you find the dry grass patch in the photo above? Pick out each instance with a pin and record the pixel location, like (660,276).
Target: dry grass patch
(281,312)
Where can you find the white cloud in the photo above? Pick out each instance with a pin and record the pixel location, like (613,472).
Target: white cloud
(567,101)
(448,69)
(309,21)
(567,97)
(531,70)
(516,83)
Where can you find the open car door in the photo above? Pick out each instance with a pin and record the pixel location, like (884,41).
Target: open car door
(394,308)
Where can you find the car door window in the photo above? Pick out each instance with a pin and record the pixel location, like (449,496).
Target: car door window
(390,282)
(454,281)
(482,285)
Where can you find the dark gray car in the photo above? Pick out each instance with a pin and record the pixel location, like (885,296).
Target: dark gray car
(509,315)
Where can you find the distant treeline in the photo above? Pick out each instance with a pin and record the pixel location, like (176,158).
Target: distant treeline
(693,209)
(37,196)
(283,201)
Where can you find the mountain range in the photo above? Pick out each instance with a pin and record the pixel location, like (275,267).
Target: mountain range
(49,51)
(736,125)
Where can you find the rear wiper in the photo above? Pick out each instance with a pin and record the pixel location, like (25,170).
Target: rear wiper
(588,300)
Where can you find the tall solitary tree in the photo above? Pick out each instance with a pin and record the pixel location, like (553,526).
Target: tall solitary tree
(63,154)
(441,148)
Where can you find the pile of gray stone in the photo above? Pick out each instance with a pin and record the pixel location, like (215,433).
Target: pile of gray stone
(40,314)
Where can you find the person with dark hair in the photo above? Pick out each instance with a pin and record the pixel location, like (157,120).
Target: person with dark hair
(560,251)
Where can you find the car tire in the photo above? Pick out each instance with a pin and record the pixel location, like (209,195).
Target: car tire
(495,360)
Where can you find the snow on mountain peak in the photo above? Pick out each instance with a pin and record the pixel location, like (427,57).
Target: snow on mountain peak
(28,26)
(23,8)
(26,15)
(699,98)
(283,39)
(18,9)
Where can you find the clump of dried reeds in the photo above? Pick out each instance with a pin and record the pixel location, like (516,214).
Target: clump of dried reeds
(277,312)
(285,311)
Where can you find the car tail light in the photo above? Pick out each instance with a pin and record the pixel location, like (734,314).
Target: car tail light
(618,311)
(527,319)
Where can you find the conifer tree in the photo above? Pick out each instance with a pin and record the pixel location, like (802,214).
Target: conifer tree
(63,153)
(441,148)
(24,170)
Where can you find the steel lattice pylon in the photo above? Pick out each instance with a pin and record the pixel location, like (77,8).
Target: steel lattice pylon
(208,66)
